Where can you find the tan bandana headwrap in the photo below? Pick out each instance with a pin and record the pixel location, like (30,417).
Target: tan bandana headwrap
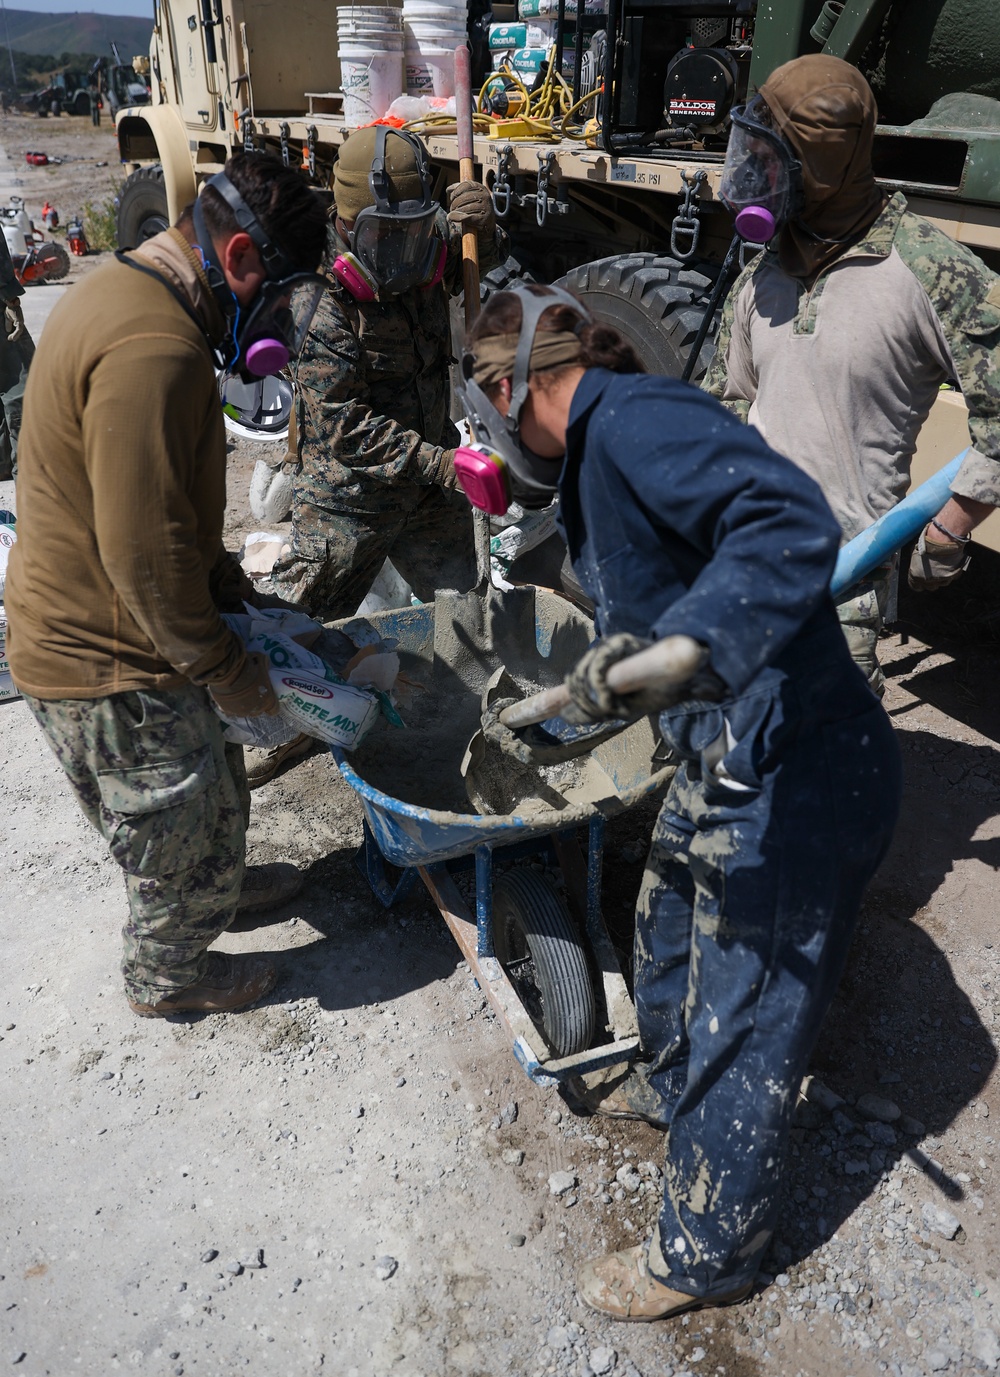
(494,354)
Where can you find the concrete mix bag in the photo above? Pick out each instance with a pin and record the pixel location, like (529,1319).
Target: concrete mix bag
(312,698)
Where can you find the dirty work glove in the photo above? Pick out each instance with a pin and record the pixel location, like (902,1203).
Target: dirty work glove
(936,563)
(444,475)
(594,701)
(13,319)
(250,694)
(545,743)
(470,208)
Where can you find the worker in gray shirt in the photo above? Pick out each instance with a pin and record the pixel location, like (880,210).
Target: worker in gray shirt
(835,341)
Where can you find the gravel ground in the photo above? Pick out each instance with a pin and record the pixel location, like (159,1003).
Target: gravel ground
(355,1177)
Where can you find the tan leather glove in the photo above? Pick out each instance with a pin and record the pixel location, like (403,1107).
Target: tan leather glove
(445,475)
(250,693)
(470,207)
(936,563)
(13,319)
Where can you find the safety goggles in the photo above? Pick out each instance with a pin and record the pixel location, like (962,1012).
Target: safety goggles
(761,177)
(399,247)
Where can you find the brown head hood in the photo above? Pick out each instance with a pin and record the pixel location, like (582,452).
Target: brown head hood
(825,110)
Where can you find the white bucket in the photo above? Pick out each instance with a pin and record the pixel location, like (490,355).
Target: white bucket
(433,30)
(430,71)
(370,48)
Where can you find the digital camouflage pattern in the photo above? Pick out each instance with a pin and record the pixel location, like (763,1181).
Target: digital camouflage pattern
(152,773)
(861,613)
(373,425)
(965,297)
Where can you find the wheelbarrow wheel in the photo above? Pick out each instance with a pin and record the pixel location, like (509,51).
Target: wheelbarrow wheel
(536,940)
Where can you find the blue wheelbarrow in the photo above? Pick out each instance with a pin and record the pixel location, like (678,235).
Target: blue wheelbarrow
(540,951)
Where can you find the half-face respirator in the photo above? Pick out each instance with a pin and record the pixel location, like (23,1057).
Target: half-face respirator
(500,467)
(271,332)
(394,244)
(761,178)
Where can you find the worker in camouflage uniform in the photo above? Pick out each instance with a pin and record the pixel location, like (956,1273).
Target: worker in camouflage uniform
(16,352)
(118,573)
(835,341)
(375,442)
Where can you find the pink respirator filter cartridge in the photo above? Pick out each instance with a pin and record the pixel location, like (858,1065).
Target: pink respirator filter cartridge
(484,478)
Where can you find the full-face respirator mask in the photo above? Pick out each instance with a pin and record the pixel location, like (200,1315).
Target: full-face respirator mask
(761,178)
(267,335)
(500,468)
(394,245)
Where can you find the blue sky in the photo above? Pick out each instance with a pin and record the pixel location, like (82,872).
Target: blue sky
(141,9)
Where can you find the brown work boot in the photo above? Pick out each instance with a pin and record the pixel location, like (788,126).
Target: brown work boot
(268,886)
(262,765)
(615,1092)
(620,1285)
(231,982)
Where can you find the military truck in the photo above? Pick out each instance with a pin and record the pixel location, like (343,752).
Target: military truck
(626,213)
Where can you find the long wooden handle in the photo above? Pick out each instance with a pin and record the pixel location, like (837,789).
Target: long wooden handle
(667,663)
(467,173)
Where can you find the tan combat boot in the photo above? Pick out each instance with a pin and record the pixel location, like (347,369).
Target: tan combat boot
(620,1285)
(231,982)
(263,764)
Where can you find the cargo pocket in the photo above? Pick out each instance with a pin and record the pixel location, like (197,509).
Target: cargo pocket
(159,819)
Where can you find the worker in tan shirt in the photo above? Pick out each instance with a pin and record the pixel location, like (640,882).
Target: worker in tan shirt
(113,594)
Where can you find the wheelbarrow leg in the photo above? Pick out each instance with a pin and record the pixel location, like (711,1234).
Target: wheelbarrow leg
(370,861)
(484,902)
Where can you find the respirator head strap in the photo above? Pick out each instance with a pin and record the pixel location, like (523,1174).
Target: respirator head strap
(532,309)
(276,262)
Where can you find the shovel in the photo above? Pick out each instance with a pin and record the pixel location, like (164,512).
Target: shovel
(665,664)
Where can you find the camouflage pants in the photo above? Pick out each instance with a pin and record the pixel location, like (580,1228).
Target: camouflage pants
(861,612)
(152,773)
(750,894)
(428,538)
(14,362)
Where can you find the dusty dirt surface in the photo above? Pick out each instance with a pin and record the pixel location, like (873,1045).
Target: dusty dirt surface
(354,1177)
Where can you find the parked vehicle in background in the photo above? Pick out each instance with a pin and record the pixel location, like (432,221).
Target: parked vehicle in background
(624,211)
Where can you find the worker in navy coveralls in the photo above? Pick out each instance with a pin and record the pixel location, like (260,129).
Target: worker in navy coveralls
(681,522)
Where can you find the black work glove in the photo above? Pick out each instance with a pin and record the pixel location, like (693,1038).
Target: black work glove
(470,208)
(936,563)
(545,743)
(594,701)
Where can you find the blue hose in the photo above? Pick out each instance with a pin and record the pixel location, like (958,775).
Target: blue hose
(890,532)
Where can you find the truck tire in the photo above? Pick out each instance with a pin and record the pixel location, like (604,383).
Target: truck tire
(142,207)
(81,103)
(656,303)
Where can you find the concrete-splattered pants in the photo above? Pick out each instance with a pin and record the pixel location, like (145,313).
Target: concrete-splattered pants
(776,820)
(152,773)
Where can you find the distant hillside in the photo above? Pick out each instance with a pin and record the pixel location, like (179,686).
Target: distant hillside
(75,33)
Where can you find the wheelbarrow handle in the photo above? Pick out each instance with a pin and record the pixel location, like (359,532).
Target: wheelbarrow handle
(667,664)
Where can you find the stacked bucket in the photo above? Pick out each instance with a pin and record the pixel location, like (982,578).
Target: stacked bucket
(370,43)
(432,31)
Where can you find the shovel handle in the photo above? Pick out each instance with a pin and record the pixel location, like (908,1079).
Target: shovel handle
(667,664)
(467,173)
